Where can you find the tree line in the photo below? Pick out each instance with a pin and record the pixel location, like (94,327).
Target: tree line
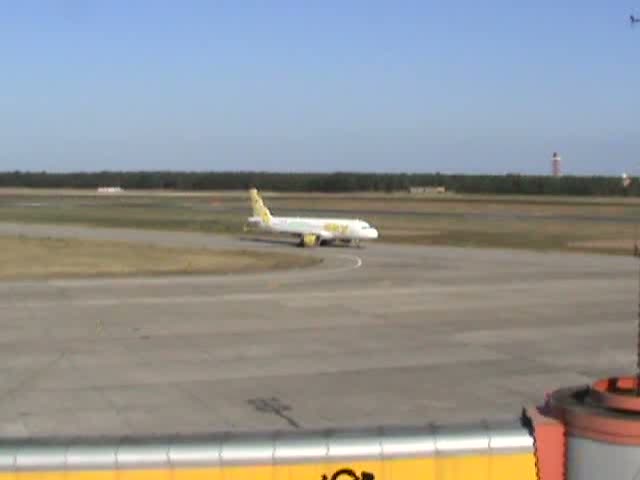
(336,182)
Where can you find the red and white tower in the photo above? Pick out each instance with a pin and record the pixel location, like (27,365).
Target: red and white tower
(555,165)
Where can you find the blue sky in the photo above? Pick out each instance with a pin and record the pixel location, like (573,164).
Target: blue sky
(416,86)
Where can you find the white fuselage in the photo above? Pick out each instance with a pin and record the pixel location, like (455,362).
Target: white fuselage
(325,228)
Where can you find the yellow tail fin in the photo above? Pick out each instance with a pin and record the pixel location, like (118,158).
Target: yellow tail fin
(259,209)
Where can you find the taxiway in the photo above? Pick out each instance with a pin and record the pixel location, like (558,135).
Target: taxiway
(381,335)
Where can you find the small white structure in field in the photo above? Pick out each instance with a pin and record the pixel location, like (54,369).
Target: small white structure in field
(109,189)
(426,190)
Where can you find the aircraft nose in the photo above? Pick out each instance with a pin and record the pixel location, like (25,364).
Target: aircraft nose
(374,233)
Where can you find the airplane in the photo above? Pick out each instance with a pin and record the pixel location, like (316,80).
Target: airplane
(311,231)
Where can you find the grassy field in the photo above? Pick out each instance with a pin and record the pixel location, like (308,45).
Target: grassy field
(543,223)
(45,257)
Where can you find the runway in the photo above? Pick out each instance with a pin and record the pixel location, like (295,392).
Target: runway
(381,335)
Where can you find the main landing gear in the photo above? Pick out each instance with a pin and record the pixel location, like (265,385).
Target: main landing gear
(309,241)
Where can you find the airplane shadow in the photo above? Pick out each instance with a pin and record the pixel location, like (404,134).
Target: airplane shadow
(272,241)
(289,242)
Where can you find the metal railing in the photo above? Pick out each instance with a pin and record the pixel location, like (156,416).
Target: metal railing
(275,448)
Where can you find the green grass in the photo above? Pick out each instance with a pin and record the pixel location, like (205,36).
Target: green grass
(555,223)
(162,214)
(492,239)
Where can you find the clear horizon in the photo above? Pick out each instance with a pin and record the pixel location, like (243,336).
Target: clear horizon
(402,87)
(308,172)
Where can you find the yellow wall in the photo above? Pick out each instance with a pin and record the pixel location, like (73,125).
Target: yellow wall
(482,467)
